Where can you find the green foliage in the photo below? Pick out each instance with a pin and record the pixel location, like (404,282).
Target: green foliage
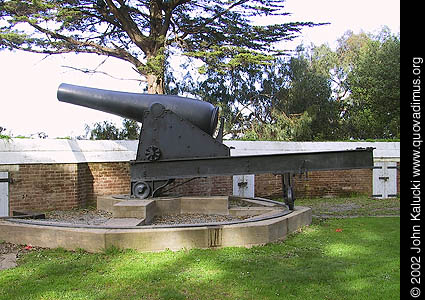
(310,92)
(2,135)
(131,130)
(284,128)
(316,95)
(224,58)
(278,100)
(375,90)
(107,130)
(365,74)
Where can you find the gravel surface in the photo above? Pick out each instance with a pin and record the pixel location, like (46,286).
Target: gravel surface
(78,216)
(193,219)
(98,217)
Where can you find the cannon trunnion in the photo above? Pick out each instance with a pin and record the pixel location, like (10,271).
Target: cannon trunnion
(176,141)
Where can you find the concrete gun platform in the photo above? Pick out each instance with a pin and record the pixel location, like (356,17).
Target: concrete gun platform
(264,224)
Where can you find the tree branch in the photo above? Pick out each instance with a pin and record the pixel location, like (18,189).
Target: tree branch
(84,47)
(94,71)
(128,25)
(212,19)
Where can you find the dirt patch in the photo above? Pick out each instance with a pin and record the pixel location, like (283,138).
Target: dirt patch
(6,248)
(341,207)
(10,254)
(352,207)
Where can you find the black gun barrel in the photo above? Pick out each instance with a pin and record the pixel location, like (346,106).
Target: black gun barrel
(133,105)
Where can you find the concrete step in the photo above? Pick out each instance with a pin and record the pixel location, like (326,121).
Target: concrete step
(139,209)
(106,203)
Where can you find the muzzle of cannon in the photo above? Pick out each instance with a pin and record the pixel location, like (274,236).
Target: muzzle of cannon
(176,141)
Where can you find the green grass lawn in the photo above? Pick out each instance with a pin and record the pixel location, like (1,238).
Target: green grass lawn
(351,258)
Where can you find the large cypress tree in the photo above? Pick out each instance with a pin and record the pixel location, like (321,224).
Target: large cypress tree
(221,33)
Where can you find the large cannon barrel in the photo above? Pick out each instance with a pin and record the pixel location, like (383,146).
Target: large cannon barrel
(133,105)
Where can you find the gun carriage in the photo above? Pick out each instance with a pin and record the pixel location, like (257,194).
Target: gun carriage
(177,141)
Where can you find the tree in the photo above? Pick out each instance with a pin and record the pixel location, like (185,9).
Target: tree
(130,131)
(282,128)
(107,130)
(282,100)
(310,92)
(145,33)
(103,131)
(375,89)
(339,63)
(365,73)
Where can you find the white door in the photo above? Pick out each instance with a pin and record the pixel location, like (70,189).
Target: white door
(4,194)
(384,179)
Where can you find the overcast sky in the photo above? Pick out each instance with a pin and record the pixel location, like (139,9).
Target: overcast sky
(28,82)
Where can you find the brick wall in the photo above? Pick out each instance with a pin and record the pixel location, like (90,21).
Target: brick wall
(65,186)
(108,178)
(210,186)
(318,184)
(44,186)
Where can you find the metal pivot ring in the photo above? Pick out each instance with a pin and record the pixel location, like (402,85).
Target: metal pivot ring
(141,190)
(153,153)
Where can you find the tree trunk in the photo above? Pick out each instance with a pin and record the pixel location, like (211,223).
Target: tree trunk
(155,68)
(155,84)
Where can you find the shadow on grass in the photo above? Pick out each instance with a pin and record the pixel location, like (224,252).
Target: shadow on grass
(338,259)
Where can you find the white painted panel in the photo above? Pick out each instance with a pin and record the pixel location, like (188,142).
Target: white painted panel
(244,185)
(384,179)
(378,186)
(4,195)
(392,181)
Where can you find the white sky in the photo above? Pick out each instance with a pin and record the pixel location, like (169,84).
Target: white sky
(28,83)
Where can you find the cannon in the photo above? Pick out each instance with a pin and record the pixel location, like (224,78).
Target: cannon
(179,139)
(134,105)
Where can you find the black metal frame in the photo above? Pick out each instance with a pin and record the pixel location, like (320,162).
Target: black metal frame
(295,163)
